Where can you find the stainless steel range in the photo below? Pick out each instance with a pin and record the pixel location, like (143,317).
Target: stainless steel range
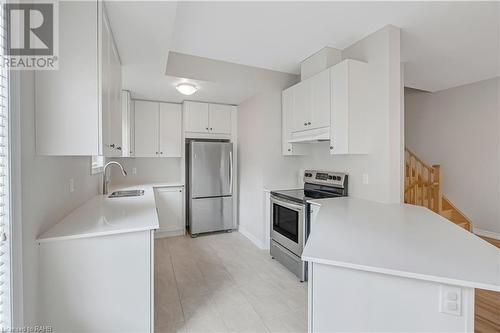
(290,214)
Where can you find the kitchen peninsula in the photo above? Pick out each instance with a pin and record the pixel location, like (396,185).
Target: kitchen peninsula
(393,267)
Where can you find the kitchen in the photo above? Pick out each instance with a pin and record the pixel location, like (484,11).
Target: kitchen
(186,155)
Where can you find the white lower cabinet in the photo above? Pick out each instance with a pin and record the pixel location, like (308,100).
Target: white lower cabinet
(170,207)
(98,284)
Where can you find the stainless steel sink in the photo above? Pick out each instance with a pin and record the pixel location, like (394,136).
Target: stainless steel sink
(128,193)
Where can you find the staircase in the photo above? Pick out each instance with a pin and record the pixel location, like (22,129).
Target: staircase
(423,187)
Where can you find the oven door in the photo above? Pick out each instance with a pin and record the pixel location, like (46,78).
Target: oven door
(288,220)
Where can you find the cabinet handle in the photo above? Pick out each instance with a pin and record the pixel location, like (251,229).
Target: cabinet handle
(206,128)
(211,128)
(112,145)
(289,149)
(309,123)
(119,148)
(156,153)
(161,153)
(331,147)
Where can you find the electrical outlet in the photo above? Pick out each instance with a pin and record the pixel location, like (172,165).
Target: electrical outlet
(450,300)
(365,179)
(134,171)
(71,185)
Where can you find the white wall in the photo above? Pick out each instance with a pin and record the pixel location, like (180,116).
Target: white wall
(459,129)
(260,163)
(384,165)
(45,192)
(149,170)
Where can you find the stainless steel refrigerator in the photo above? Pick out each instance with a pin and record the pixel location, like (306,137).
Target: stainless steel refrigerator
(210,186)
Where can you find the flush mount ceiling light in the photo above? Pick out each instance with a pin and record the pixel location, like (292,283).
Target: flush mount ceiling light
(186,88)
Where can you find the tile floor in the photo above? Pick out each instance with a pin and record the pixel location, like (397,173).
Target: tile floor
(223,283)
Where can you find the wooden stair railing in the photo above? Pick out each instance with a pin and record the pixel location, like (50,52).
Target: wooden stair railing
(422,183)
(423,187)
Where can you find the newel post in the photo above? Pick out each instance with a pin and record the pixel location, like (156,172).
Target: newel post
(438,188)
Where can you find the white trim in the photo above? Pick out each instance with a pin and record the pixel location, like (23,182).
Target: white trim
(17,312)
(487,233)
(252,238)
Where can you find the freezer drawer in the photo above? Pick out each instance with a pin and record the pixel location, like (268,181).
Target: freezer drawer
(210,214)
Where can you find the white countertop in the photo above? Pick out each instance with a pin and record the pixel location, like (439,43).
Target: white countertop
(401,240)
(106,216)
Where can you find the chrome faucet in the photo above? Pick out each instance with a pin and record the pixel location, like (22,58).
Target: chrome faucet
(105,181)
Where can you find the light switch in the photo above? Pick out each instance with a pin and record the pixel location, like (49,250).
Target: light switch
(134,171)
(365,179)
(450,300)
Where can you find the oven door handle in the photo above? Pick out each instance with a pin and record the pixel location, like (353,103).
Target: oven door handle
(287,203)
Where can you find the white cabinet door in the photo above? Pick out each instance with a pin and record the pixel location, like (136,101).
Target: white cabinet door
(170,207)
(106,83)
(301,106)
(146,128)
(286,115)
(127,124)
(220,118)
(67,100)
(351,124)
(196,117)
(115,126)
(320,100)
(170,130)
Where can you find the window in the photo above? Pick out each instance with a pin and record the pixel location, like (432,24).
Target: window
(96,164)
(5,225)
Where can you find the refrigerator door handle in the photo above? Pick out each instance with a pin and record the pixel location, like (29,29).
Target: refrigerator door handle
(231,172)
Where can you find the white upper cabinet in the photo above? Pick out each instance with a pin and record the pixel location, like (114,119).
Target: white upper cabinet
(350,112)
(158,129)
(77,105)
(320,101)
(111,94)
(208,119)
(288,149)
(146,128)
(170,130)
(331,105)
(301,105)
(196,117)
(219,118)
(127,124)
(311,103)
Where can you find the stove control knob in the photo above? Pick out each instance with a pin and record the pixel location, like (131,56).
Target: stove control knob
(331,177)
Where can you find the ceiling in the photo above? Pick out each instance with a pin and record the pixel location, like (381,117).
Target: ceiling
(444,44)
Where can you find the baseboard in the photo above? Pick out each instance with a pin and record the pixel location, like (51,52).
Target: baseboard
(163,234)
(486,233)
(253,239)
